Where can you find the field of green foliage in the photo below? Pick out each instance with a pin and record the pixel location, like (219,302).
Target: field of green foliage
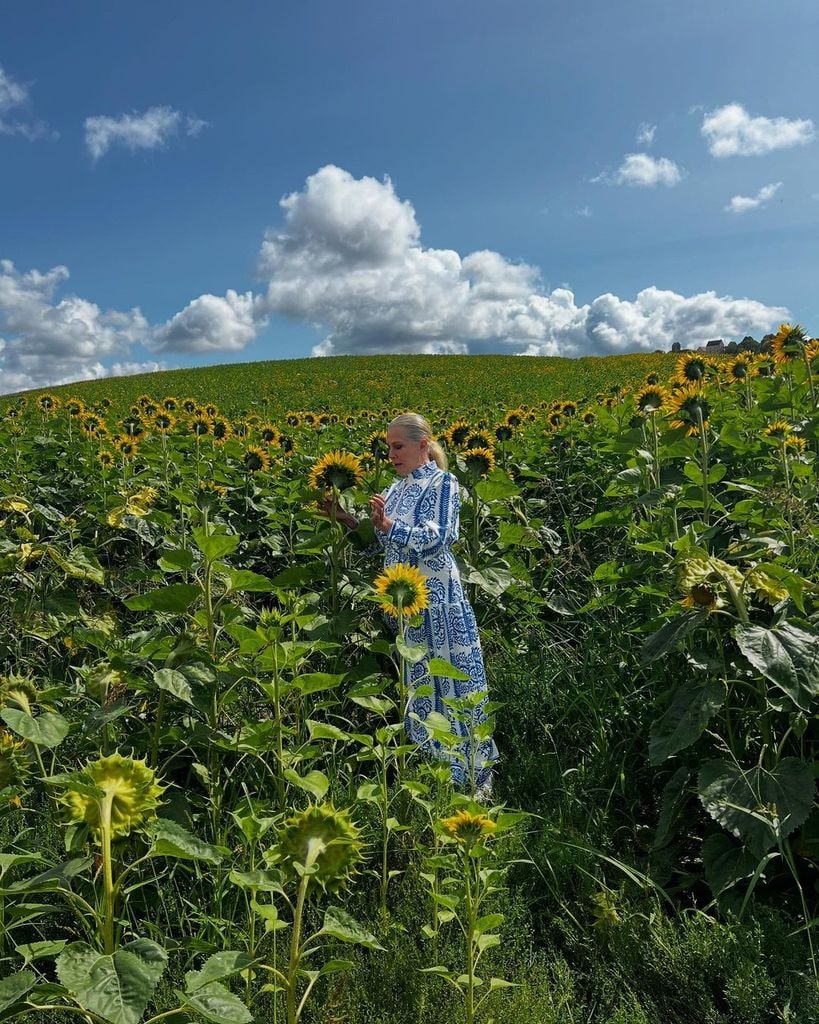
(209,810)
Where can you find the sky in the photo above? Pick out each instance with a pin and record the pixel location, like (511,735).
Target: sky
(193,183)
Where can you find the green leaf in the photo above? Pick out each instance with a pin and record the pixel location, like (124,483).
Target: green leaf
(250,582)
(46,730)
(757,806)
(175,683)
(336,967)
(315,782)
(492,579)
(80,563)
(172,840)
(671,804)
(175,599)
(496,983)
(216,1003)
(216,968)
(610,517)
(488,922)
(787,656)
(341,925)
(413,653)
(176,560)
(669,636)
(313,682)
(325,731)
(118,986)
(52,880)
(13,988)
(45,949)
(692,707)
(497,486)
(725,863)
(442,667)
(215,545)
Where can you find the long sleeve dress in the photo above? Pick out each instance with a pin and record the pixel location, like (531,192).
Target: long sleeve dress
(424,507)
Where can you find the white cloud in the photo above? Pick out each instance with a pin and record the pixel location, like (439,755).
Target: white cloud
(584,211)
(646,133)
(740,204)
(211,324)
(349,256)
(731,131)
(644,171)
(149,130)
(12,95)
(50,342)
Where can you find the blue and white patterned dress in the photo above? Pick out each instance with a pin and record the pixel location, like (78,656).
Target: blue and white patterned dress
(425,507)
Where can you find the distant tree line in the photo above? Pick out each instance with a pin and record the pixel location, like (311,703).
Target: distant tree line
(748,344)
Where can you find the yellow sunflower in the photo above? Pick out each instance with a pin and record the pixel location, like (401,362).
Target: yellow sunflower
(127,447)
(48,404)
(402,589)
(479,439)
(788,344)
(338,470)
(779,430)
(377,445)
(170,403)
(200,426)
(651,399)
(514,417)
(163,422)
(189,405)
(693,368)
(479,461)
(457,433)
(269,433)
(221,430)
(256,459)
(468,828)
(691,408)
(740,368)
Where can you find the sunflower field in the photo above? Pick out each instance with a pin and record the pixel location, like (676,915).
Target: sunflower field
(209,809)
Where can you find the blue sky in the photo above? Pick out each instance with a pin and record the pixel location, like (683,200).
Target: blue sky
(459,175)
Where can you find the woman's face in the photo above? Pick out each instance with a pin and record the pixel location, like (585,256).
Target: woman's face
(406,455)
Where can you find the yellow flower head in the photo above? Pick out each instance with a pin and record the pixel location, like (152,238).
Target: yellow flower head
(651,399)
(741,367)
(256,459)
(468,828)
(479,439)
(693,368)
(788,344)
(377,445)
(338,470)
(163,422)
(221,430)
(48,403)
(269,433)
(479,461)
(457,433)
(514,417)
(691,408)
(779,430)
(402,589)
(705,581)
(765,587)
(127,795)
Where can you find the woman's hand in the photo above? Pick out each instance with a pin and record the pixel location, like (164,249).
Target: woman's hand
(381,521)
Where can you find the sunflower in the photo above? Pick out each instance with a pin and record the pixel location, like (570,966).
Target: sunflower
(211,411)
(765,587)
(48,404)
(568,409)
(764,367)
(114,793)
(479,461)
(13,762)
(127,447)
(554,419)
(691,407)
(514,417)
(269,433)
(74,407)
(221,430)
(189,405)
(402,589)
(651,379)
(132,426)
(705,580)
(338,470)
(144,400)
(240,428)
(457,433)
(255,459)
(309,419)
(170,403)
(468,828)
(812,350)
(287,445)
(799,444)
(740,368)
(324,841)
(163,422)
(693,368)
(779,430)
(651,399)
(788,343)
(105,458)
(589,418)
(377,445)
(200,426)
(350,421)
(504,432)
(92,426)
(292,419)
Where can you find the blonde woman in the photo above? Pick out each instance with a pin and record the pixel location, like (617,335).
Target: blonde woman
(416,523)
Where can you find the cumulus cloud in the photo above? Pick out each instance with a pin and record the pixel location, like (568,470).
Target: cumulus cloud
(643,171)
(731,131)
(49,341)
(14,94)
(149,130)
(211,324)
(349,256)
(646,133)
(740,204)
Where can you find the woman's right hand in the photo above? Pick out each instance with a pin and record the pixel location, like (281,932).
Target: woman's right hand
(381,521)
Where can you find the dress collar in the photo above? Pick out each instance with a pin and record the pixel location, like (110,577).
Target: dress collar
(426,470)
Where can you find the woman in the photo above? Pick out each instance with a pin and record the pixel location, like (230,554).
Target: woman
(416,523)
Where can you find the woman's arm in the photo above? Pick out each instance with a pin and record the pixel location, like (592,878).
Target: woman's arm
(438,526)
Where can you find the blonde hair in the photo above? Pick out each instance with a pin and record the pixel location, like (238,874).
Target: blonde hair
(417,428)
